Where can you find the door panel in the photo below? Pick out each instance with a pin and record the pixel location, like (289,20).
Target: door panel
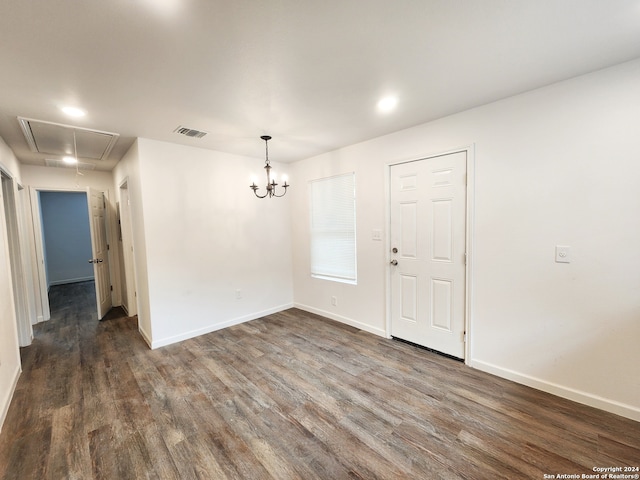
(409,297)
(409,230)
(441,295)
(428,227)
(442,244)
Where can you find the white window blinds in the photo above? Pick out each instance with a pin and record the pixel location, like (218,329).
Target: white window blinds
(333,228)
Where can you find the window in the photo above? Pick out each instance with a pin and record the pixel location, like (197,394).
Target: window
(333,228)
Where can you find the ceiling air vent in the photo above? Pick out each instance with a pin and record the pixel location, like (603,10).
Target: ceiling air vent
(190,132)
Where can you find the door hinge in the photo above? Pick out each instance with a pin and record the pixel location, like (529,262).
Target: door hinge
(465,258)
(111,287)
(108,247)
(464,337)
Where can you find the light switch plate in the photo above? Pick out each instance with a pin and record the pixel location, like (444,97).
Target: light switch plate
(563,254)
(376,234)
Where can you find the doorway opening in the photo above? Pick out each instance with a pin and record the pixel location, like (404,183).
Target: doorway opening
(125,245)
(70,235)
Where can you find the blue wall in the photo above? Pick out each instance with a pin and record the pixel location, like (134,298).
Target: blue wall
(67,239)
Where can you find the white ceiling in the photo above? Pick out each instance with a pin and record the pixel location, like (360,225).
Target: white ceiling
(309,73)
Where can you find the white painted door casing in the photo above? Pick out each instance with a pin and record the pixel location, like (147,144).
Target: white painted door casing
(428,229)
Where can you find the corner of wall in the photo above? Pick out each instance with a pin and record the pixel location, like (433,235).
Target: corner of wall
(5,402)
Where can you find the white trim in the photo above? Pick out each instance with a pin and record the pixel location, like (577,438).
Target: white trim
(70,280)
(128,250)
(579,396)
(41,289)
(339,318)
(470,220)
(12,219)
(145,336)
(471,195)
(6,401)
(218,326)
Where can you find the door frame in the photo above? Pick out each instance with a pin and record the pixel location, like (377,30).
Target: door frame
(128,253)
(40,281)
(470,213)
(12,219)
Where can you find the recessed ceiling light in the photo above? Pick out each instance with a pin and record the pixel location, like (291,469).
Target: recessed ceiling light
(69,160)
(73,111)
(386,104)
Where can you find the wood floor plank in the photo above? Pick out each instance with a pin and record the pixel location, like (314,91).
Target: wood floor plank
(355,455)
(288,396)
(27,455)
(194,459)
(69,455)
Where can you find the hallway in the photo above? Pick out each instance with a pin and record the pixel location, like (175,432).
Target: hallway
(64,381)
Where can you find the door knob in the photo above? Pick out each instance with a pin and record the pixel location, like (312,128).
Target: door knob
(393,262)
(394,250)
(91,260)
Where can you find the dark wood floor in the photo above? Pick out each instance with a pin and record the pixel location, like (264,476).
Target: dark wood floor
(291,395)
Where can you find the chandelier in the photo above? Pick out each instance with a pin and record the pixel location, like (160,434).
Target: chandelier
(271,183)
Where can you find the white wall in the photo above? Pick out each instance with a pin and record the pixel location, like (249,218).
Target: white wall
(9,351)
(128,169)
(67,239)
(208,237)
(556,166)
(57,178)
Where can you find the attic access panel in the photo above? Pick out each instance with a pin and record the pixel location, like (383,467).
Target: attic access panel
(57,139)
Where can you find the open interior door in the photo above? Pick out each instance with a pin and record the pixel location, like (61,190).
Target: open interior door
(99,249)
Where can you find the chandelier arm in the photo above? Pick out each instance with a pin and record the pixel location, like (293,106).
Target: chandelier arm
(283,193)
(255,191)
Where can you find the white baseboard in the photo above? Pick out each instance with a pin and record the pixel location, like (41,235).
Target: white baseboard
(145,336)
(339,318)
(6,400)
(628,411)
(70,280)
(218,326)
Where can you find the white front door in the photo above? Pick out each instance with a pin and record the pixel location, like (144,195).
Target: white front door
(99,249)
(428,242)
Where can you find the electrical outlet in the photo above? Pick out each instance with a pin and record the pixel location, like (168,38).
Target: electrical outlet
(334,301)
(563,254)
